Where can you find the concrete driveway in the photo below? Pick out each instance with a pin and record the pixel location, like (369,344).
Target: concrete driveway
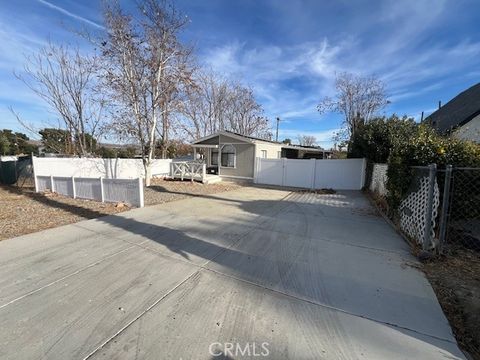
(241,274)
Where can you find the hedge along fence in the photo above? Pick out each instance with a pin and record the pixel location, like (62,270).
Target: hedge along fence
(423,148)
(402,143)
(99,189)
(408,148)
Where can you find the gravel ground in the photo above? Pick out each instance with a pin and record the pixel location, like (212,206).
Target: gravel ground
(22,211)
(161,191)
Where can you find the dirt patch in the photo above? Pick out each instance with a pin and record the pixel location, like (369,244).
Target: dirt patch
(162,191)
(456,281)
(22,211)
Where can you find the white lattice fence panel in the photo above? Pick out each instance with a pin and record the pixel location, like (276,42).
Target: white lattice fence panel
(413,211)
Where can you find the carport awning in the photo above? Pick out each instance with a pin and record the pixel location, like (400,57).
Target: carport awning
(205,146)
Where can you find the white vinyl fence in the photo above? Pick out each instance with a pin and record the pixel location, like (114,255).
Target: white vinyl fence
(100,189)
(98,167)
(341,174)
(106,180)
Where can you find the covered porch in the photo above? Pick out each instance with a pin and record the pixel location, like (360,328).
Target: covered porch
(195,170)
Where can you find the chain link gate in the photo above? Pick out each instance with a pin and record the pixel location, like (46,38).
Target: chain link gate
(462,221)
(441,210)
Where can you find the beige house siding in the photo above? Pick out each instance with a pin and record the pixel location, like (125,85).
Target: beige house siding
(246,151)
(243,164)
(244,156)
(469,131)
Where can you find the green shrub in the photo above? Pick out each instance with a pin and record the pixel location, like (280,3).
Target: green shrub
(375,139)
(403,143)
(425,147)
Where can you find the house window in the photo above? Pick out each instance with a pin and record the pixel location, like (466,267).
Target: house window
(264,154)
(214,157)
(228,156)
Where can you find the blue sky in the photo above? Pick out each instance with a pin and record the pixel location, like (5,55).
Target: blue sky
(288,51)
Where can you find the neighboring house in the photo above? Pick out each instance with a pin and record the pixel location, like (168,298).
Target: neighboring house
(232,155)
(460,117)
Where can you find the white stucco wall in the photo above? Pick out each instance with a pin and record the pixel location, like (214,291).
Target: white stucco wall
(469,131)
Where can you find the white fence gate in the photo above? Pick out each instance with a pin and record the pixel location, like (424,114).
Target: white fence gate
(341,174)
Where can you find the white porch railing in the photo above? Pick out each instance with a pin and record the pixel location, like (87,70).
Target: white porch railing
(193,170)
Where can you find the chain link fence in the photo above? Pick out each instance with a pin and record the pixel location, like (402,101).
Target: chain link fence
(462,223)
(17,171)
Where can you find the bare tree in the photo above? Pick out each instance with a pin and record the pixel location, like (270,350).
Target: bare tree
(245,115)
(66,80)
(203,110)
(357,99)
(307,140)
(218,104)
(145,67)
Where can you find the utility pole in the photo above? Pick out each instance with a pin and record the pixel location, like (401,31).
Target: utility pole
(276,134)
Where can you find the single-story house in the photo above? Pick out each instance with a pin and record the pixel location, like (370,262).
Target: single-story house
(233,155)
(460,117)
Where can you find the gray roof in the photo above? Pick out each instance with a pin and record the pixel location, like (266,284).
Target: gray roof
(457,112)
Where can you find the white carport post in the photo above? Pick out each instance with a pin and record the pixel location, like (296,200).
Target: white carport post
(219,159)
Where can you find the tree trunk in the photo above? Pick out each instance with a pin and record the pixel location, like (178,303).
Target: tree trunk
(148,171)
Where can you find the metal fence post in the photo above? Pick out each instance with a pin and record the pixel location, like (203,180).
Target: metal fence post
(52,184)
(445,205)
(432,169)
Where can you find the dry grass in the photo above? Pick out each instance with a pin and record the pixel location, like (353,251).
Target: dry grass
(22,211)
(162,191)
